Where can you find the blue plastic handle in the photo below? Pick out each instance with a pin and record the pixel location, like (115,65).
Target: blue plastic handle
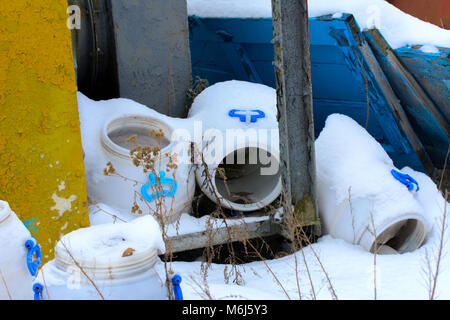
(162,179)
(37,289)
(176,280)
(406,179)
(243,117)
(33,250)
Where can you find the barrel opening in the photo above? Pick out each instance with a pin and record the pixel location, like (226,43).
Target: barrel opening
(243,176)
(118,132)
(403,236)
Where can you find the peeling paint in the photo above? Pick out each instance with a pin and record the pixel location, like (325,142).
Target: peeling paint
(62,186)
(62,204)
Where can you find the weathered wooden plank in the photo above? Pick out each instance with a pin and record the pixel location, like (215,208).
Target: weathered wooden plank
(391,110)
(239,232)
(432,71)
(295,108)
(425,117)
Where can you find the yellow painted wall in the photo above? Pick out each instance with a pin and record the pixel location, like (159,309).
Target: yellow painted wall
(41,160)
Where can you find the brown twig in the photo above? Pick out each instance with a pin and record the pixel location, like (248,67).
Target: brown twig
(82,270)
(375,251)
(441,244)
(6,286)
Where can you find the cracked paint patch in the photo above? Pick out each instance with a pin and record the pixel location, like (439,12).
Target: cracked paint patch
(62,204)
(62,186)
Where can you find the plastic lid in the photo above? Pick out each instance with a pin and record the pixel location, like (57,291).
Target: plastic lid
(5,210)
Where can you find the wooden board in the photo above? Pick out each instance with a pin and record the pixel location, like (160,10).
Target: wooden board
(424,115)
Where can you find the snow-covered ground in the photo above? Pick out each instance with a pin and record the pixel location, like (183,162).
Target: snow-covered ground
(349,267)
(399,29)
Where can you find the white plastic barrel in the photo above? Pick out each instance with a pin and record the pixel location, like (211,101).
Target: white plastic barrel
(240,144)
(359,198)
(108,261)
(15,279)
(124,191)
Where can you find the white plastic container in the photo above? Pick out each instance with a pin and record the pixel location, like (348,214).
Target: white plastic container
(359,197)
(90,264)
(121,194)
(244,150)
(15,279)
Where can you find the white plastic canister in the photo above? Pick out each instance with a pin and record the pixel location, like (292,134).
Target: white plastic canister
(240,144)
(360,200)
(124,191)
(15,279)
(109,261)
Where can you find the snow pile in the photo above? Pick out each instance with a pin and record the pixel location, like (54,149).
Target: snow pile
(398,28)
(429,49)
(349,267)
(230,8)
(214,103)
(348,156)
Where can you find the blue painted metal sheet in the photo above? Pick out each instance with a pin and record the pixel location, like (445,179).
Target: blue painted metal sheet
(424,115)
(432,71)
(341,77)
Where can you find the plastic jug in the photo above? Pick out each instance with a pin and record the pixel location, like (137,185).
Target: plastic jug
(108,261)
(15,279)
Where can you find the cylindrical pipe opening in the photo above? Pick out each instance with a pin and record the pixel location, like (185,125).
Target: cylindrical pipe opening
(403,236)
(248,179)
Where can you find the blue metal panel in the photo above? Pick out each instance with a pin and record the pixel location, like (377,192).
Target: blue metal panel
(432,71)
(424,115)
(339,72)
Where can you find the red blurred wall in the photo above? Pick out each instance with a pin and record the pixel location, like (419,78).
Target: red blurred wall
(434,11)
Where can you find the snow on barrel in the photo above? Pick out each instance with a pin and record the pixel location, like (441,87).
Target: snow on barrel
(363,198)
